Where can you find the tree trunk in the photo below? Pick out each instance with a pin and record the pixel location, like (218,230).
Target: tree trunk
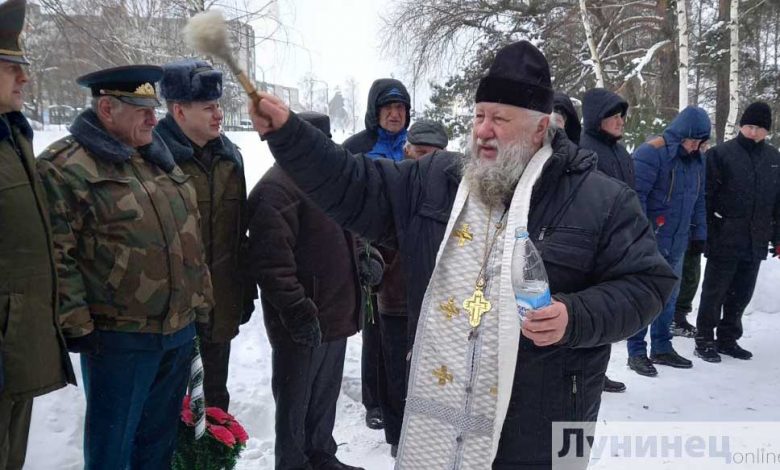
(682,40)
(722,67)
(731,121)
(668,99)
(594,53)
(697,90)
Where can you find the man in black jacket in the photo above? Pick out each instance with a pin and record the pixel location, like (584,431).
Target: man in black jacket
(564,116)
(563,107)
(307,269)
(387,119)
(743,217)
(604,115)
(606,275)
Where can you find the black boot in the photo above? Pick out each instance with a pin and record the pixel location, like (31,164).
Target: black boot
(322,461)
(394,450)
(374,418)
(706,350)
(671,359)
(683,328)
(613,386)
(734,350)
(642,366)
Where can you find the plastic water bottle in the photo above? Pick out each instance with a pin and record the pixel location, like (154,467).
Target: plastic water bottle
(529,278)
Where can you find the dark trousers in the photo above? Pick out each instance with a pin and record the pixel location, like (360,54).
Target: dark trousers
(372,363)
(216,357)
(728,287)
(134,399)
(306,383)
(689,284)
(14,428)
(394,350)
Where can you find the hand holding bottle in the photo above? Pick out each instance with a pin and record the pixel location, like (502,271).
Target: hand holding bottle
(547,325)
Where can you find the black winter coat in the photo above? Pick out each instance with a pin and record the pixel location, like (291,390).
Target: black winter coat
(743,199)
(303,262)
(614,159)
(598,248)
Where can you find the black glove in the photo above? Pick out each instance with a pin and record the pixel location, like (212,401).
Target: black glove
(87,344)
(370,271)
(697,247)
(203,330)
(300,320)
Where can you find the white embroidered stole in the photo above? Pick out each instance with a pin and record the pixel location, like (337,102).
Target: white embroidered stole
(461,378)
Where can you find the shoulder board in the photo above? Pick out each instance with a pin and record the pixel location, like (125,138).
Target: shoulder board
(657,142)
(57,147)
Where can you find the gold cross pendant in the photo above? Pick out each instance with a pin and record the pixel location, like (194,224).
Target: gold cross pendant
(449,309)
(463,234)
(443,375)
(477,305)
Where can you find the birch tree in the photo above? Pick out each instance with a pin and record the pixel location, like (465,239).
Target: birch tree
(594,53)
(682,41)
(731,121)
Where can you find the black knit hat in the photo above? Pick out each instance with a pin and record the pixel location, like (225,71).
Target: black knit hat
(757,114)
(519,76)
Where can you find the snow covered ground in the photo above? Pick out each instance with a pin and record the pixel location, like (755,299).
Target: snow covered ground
(731,391)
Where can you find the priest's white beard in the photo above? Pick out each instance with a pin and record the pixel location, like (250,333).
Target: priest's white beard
(494,182)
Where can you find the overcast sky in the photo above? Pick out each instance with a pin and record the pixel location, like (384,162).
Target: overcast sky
(333,39)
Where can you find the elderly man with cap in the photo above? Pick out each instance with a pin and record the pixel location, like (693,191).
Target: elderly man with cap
(306,266)
(425,137)
(192,131)
(743,218)
(486,386)
(33,358)
(132,272)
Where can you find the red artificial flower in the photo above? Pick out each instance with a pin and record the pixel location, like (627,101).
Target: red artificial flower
(660,220)
(222,434)
(188,417)
(238,431)
(218,415)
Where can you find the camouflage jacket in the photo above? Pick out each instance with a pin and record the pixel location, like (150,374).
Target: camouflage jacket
(126,233)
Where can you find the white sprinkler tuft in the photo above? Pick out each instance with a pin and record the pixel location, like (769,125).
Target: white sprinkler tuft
(207,33)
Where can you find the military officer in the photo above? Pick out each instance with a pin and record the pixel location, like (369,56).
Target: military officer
(192,131)
(33,359)
(131,266)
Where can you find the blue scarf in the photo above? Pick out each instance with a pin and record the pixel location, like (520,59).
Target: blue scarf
(389,145)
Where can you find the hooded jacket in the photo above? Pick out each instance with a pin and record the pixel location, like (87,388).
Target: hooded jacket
(366,140)
(599,252)
(614,160)
(562,103)
(671,183)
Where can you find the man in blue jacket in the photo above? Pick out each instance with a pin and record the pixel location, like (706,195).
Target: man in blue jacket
(670,178)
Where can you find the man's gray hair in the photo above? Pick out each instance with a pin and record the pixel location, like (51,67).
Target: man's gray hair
(115,102)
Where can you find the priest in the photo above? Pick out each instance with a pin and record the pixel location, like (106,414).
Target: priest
(485,387)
